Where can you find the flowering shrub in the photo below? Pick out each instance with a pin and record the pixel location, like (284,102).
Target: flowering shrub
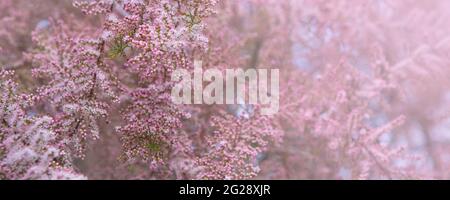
(28,146)
(86,89)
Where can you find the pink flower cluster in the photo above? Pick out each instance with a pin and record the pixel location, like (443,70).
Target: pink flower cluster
(28,148)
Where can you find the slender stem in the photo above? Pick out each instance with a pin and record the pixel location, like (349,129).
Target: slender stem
(383,169)
(99,62)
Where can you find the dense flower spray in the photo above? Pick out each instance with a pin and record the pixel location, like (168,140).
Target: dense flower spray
(28,148)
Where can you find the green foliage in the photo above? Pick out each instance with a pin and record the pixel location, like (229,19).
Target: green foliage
(154,145)
(117,48)
(192,20)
